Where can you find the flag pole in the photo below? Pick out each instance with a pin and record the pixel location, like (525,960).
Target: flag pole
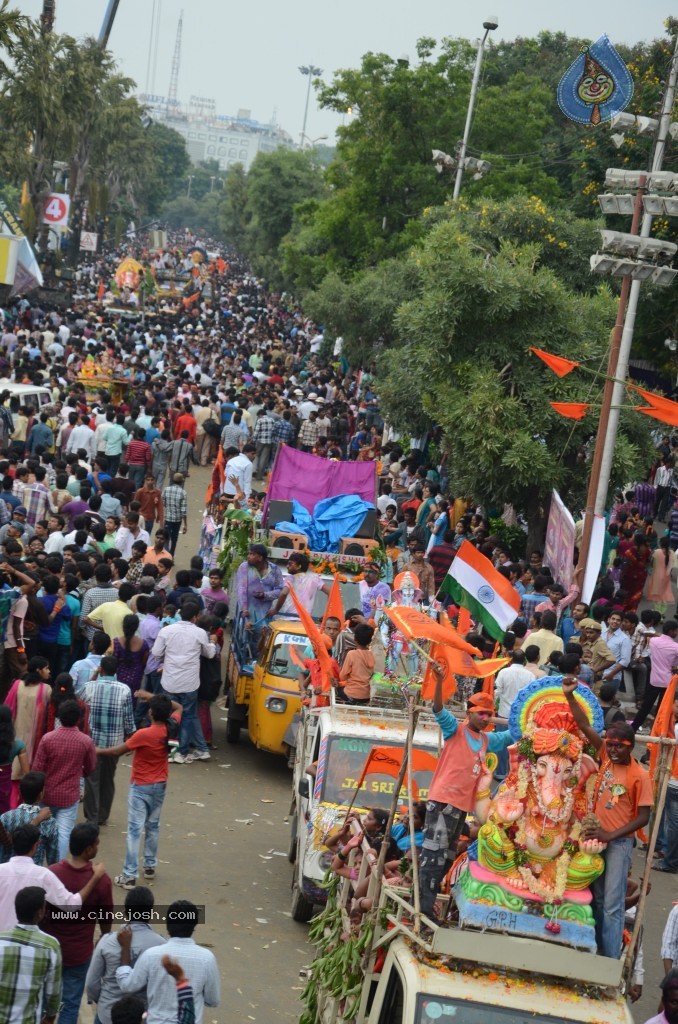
(413,846)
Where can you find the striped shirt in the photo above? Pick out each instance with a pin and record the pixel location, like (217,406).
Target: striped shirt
(138,453)
(38,502)
(669,950)
(263,432)
(111,718)
(284,432)
(30,975)
(528,605)
(232,436)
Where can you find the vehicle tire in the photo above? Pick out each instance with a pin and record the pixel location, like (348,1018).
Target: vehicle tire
(233,727)
(302,910)
(291,758)
(292,850)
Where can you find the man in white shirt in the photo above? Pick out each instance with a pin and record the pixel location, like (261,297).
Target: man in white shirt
(82,437)
(21,871)
(55,543)
(510,681)
(306,408)
(180,648)
(240,468)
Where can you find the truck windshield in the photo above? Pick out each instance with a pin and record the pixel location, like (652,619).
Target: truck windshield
(440,1008)
(346,757)
(280,661)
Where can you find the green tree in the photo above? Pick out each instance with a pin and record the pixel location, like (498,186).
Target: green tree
(276,183)
(463,362)
(233,210)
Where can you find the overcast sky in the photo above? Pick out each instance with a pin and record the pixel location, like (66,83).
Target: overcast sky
(247,56)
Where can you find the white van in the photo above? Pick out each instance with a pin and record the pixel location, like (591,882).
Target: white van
(26,394)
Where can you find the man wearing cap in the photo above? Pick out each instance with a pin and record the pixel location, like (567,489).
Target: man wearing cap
(308,406)
(454,787)
(601,657)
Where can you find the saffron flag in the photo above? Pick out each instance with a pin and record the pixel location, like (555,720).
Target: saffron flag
(556,363)
(100,291)
(414,624)
(459,663)
(474,583)
(388,761)
(216,484)
(464,621)
(571,410)
(317,642)
(658,413)
(664,725)
(658,401)
(334,609)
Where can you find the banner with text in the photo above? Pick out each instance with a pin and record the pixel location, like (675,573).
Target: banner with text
(559,547)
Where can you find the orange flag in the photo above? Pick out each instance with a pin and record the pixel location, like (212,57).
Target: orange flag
(464,622)
(657,413)
(459,663)
(655,400)
(388,761)
(334,609)
(100,291)
(416,625)
(664,725)
(556,363)
(571,410)
(317,642)
(218,476)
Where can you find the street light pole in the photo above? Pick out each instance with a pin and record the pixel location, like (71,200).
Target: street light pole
(489,25)
(190,182)
(310,71)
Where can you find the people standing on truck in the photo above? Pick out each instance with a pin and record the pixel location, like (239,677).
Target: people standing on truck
(454,787)
(345,642)
(621,801)
(303,582)
(258,584)
(358,668)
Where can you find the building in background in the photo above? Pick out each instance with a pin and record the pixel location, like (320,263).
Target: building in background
(212,136)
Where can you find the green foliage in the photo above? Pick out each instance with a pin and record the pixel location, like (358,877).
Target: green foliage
(514,537)
(464,363)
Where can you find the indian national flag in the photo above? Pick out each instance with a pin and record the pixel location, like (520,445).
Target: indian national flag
(474,583)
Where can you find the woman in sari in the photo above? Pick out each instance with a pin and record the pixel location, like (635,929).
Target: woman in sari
(637,559)
(660,591)
(27,700)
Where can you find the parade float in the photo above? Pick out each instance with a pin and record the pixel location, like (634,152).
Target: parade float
(530,869)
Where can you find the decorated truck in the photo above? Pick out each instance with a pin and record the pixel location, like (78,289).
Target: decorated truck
(514,936)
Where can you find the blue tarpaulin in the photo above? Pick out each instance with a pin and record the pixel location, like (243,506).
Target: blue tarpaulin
(333,518)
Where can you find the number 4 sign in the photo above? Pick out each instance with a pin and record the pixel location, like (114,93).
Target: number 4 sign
(56,209)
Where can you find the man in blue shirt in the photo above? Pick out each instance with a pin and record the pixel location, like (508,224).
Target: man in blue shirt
(620,644)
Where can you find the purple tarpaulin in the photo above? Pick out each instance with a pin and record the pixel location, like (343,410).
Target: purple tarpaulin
(309,479)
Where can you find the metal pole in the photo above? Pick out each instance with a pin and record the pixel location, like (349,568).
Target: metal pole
(308,96)
(629,323)
(469,114)
(605,411)
(620,350)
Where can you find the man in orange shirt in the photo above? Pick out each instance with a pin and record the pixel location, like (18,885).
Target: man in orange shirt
(150,503)
(147,787)
(622,799)
(159,549)
(186,421)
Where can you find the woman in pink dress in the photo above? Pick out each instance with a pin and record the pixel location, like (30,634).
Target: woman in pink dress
(659,590)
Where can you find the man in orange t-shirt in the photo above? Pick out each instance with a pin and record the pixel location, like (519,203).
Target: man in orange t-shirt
(622,799)
(186,421)
(147,787)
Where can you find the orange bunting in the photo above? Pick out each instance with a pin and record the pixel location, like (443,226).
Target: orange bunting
(559,365)
(657,413)
(334,609)
(571,410)
(317,642)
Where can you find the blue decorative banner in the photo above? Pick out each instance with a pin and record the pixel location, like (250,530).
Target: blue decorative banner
(596,86)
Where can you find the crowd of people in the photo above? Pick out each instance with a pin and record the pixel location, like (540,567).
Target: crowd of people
(110,642)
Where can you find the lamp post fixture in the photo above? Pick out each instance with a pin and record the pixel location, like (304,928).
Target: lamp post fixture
(311,72)
(490,24)
(190,182)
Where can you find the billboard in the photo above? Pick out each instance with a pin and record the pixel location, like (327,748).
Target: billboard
(559,546)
